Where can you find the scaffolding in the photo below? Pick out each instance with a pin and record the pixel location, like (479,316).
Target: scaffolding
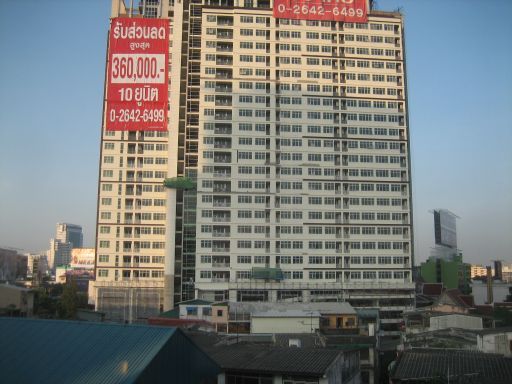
(129,301)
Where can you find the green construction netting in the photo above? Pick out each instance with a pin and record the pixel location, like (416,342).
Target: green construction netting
(180,183)
(267,273)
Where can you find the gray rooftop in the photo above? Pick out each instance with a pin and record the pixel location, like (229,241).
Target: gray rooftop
(426,363)
(286,313)
(271,360)
(492,331)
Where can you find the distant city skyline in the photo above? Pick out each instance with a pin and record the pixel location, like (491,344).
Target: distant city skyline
(458,58)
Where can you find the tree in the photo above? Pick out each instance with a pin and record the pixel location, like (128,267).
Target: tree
(70,301)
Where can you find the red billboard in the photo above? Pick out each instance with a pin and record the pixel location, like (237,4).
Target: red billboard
(351,11)
(137,75)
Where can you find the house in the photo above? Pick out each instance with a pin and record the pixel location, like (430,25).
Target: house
(53,351)
(428,365)
(186,314)
(496,340)
(266,364)
(236,317)
(16,300)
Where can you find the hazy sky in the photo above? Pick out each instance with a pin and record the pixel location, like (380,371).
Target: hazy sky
(459,60)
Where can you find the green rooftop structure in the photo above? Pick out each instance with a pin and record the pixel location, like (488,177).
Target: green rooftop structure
(453,273)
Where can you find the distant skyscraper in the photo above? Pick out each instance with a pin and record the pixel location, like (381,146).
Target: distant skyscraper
(445,228)
(58,254)
(67,237)
(70,233)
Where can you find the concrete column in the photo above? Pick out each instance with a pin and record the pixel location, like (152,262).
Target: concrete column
(272,295)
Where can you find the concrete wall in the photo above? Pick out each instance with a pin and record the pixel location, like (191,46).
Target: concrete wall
(284,325)
(21,298)
(455,321)
(496,343)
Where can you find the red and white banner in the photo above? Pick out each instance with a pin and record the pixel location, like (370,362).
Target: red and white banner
(137,82)
(352,11)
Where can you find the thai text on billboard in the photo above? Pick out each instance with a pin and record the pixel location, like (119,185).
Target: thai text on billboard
(352,11)
(137,82)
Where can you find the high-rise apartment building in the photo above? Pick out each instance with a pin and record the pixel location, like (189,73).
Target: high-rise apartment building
(295,133)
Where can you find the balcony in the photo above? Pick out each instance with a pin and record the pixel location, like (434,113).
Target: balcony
(223,74)
(222,174)
(221,234)
(224,60)
(222,159)
(223,116)
(220,265)
(220,279)
(223,103)
(225,20)
(222,144)
(222,203)
(224,88)
(220,249)
(224,34)
(224,47)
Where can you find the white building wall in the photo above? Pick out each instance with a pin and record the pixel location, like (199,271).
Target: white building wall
(455,321)
(496,343)
(284,325)
(303,159)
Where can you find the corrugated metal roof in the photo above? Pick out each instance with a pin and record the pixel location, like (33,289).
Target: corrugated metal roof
(265,359)
(424,364)
(52,351)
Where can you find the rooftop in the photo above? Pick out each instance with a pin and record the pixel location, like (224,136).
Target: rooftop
(425,363)
(286,313)
(491,331)
(272,360)
(52,351)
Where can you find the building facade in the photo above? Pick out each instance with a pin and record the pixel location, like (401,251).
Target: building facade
(70,233)
(295,133)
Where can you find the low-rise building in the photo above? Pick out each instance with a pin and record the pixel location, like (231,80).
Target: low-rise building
(236,316)
(495,340)
(16,300)
(242,363)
